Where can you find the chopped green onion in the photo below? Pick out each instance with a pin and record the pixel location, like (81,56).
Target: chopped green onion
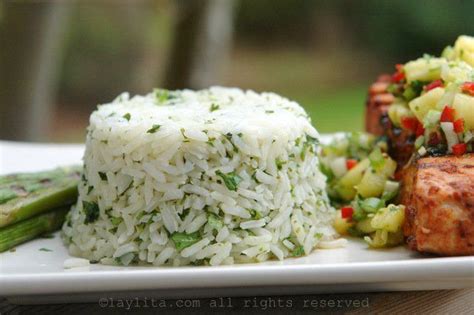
(372,204)
(391,190)
(431,119)
(419,142)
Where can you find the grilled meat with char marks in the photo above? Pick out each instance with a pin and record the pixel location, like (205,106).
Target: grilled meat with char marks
(400,141)
(438,193)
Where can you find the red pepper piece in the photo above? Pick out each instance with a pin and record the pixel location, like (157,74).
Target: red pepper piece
(448,114)
(399,75)
(420,130)
(410,123)
(350,163)
(459,125)
(433,85)
(468,87)
(347,212)
(459,149)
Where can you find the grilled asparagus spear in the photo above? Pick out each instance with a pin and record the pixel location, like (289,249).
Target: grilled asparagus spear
(28,229)
(25,195)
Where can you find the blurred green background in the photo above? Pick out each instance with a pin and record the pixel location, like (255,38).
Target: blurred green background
(60,59)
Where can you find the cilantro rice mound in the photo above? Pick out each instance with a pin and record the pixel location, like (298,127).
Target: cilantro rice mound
(217,176)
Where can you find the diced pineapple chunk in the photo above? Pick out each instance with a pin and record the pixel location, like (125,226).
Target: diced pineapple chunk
(365,226)
(372,184)
(421,105)
(398,110)
(389,219)
(389,167)
(464,49)
(457,71)
(345,187)
(464,108)
(424,69)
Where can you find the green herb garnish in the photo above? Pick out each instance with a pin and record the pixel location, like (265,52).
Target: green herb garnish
(255,214)
(298,252)
(103,175)
(213,107)
(127,116)
(231,180)
(161,95)
(214,221)
(279,163)
(183,240)
(91,210)
(153,129)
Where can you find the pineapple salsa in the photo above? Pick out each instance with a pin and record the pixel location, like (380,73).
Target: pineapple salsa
(434,103)
(360,183)
(435,100)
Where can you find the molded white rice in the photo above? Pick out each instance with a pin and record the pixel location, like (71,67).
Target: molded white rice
(164,183)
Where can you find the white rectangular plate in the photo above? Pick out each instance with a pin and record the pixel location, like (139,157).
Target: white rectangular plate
(30,275)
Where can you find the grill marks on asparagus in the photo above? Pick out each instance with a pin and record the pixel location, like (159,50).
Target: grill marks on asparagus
(27,194)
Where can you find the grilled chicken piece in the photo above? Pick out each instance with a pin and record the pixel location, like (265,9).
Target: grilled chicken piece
(378,101)
(438,193)
(400,141)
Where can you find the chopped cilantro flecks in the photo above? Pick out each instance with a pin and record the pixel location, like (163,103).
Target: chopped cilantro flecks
(231,180)
(214,221)
(43,249)
(161,95)
(184,214)
(229,137)
(153,129)
(183,240)
(116,221)
(103,176)
(255,214)
(297,252)
(213,107)
(312,140)
(91,210)
(279,163)
(310,144)
(127,116)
